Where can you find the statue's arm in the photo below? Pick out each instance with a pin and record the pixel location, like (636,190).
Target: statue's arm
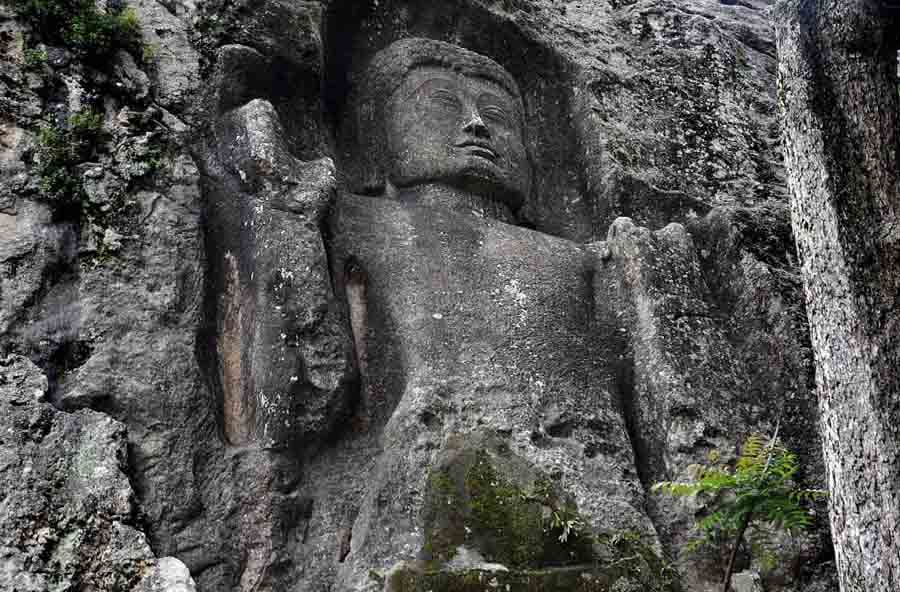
(284,363)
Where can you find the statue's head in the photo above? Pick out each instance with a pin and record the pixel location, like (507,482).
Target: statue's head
(432,112)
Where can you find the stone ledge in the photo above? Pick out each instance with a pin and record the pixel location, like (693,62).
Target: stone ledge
(578,578)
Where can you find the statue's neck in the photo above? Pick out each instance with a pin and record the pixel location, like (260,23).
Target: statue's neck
(453,198)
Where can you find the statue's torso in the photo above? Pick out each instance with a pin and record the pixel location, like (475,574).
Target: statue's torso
(468,328)
(471,303)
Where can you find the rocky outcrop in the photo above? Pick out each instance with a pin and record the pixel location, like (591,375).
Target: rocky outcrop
(708,310)
(69,518)
(196,314)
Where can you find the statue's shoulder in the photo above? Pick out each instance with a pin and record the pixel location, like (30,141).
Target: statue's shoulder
(347,203)
(364,214)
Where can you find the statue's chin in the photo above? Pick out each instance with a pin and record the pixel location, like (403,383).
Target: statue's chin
(474,181)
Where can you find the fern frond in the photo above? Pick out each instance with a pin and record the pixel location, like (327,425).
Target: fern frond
(751,452)
(760,491)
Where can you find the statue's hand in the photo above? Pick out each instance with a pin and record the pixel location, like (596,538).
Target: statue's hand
(252,146)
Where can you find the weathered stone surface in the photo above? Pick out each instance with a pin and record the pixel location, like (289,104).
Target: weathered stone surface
(749,268)
(837,76)
(287,38)
(167,575)
(67,517)
(486,348)
(165,32)
(718,373)
(574,579)
(32,251)
(746,581)
(683,102)
(19,86)
(284,360)
(129,78)
(675,98)
(603,367)
(104,294)
(706,319)
(13,172)
(19,102)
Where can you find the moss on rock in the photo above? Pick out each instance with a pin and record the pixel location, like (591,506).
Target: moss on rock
(508,523)
(497,506)
(490,501)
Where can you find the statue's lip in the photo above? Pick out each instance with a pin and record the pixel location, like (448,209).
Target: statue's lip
(479,149)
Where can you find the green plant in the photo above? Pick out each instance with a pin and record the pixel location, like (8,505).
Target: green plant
(759,489)
(35,58)
(81,26)
(60,149)
(210,26)
(566,521)
(637,554)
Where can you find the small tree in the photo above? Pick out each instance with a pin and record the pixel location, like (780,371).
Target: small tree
(759,489)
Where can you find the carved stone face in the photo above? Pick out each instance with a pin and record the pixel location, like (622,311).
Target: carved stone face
(448,127)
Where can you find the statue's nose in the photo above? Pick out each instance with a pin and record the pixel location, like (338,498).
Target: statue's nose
(476,126)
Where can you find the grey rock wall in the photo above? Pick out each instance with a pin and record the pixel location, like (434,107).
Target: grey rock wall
(661,112)
(69,515)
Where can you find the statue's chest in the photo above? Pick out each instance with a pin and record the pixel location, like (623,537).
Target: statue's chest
(457,284)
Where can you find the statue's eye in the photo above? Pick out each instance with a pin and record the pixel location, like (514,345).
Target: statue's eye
(495,114)
(445,99)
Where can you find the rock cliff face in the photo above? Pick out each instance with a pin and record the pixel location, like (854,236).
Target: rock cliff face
(224,369)
(70,518)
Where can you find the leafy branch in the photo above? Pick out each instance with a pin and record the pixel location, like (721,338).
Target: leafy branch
(759,489)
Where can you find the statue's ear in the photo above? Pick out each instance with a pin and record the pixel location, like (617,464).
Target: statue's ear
(362,161)
(371,174)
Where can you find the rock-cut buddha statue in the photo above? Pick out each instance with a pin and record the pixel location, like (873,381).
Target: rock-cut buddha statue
(485,357)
